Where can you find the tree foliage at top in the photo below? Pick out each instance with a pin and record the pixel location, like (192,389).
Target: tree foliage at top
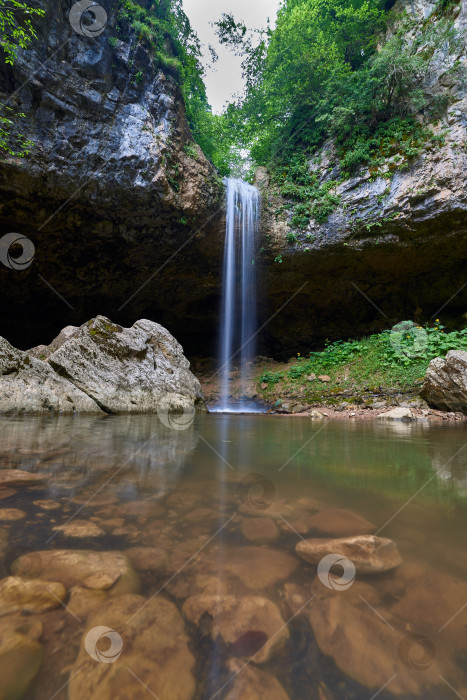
(329,70)
(16,28)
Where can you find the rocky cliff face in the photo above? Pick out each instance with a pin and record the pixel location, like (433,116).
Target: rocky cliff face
(126,214)
(113,188)
(395,248)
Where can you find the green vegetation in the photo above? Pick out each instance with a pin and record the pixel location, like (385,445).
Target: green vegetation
(16,32)
(16,29)
(164,29)
(390,361)
(311,200)
(331,72)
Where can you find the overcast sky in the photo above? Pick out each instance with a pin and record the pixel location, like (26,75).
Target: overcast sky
(224,80)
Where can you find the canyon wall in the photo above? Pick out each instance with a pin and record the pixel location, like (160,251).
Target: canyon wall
(114,195)
(395,247)
(127,215)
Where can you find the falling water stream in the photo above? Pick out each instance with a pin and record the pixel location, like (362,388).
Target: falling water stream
(238,315)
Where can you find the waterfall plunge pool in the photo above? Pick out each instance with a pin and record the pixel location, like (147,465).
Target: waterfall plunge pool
(217,603)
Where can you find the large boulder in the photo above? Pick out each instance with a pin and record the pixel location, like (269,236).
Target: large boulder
(365,642)
(20,655)
(29,596)
(445,385)
(127,370)
(28,385)
(100,366)
(156,660)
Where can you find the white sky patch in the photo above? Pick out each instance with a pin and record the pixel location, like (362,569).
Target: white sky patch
(224,79)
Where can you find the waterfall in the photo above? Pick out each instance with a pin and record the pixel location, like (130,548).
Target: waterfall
(238,316)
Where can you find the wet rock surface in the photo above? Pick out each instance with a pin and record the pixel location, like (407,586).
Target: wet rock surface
(75,567)
(253,684)
(369,554)
(154,648)
(20,595)
(20,655)
(251,626)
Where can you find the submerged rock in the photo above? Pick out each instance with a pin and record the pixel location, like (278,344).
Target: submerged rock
(363,639)
(236,618)
(259,567)
(144,509)
(148,558)
(155,653)
(259,529)
(20,655)
(75,567)
(11,514)
(47,504)
(20,595)
(369,554)
(80,528)
(445,385)
(18,477)
(250,683)
(340,523)
(84,600)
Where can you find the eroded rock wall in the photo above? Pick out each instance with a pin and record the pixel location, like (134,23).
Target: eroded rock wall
(114,187)
(394,248)
(128,222)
